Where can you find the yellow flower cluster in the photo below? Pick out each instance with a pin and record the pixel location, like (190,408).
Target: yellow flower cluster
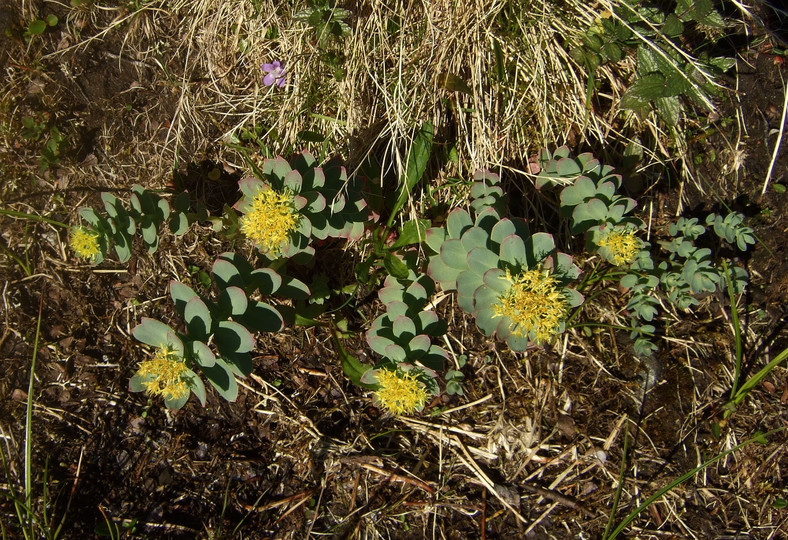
(400,392)
(270,220)
(533,303)
(167,370)
(623,245)
(84,242)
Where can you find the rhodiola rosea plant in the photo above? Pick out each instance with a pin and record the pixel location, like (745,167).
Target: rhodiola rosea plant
(518,286)
(287,204)
(674,274)
(515,284)
(117,226)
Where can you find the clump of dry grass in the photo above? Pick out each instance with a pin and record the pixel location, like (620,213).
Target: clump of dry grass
(492,75)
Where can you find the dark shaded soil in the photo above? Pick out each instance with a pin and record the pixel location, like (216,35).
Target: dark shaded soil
(304,451)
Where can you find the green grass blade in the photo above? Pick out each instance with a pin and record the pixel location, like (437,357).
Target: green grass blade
(759,438)
(620,487)
(736,327)
(753,381)
(29,414)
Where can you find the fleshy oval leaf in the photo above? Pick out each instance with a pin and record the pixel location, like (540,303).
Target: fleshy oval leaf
(203,354)
(198,318)
(231,337)
(152,332)
(222,379)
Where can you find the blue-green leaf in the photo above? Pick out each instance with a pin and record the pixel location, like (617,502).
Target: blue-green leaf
(152,332)
(458,222)
(198,318)
(195,385)
(203,354)
(231,337)
(221,377)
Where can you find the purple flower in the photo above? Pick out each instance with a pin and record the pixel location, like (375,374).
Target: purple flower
(275,73)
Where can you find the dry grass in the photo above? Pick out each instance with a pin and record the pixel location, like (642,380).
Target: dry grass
(535,445)
(395,67)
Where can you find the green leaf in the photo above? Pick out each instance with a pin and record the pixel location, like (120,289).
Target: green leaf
(539,246)
(226,274)
(415,295)
(136,383)
(486,321)
(673,26)
(613,52)
(233,300)
(350,364)
(585,216)
(403,326)
(435,236)
(583,189)
(395,267)
(203,354)
(262,317)
(669,109)
(513,251)
(568,167)
(310,136)
(396,352)
(51,20)
(647,88)
(267,281)
(416,166)
(153,332)
(412,232)
(454,254)
(195,385)
(443,274)
(239,362)
(122,246)
(37,27)
(458,222)
(431,324)
(231,337)
(495,280)
(378,343)
(181,294)
(221,377)
(453,83)
(179,224)
(198,318)
(419,345)
(475,237)
(500,66)
(293,288)
(178,403)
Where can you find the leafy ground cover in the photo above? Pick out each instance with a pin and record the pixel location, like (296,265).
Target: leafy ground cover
(655,367)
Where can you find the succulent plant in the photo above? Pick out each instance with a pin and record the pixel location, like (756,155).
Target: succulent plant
(730,228)
(514,283)
(401,388)
(290,203)
(560,168)
(615,243)
(486,192)
(146,214)
(168,373)
(591,200)
(405,332)
(687,272)
(219,334)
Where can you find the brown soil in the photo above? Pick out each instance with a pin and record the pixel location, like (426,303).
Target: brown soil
(304,452)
